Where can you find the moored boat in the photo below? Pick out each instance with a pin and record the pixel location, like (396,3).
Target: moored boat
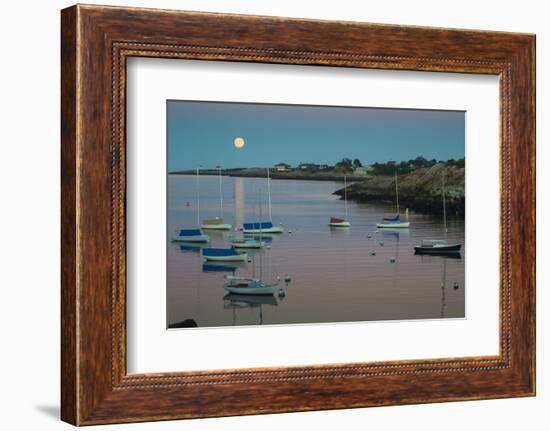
(338,222)
(216,223)
(437,246)
(262,227)
(247,243)
(249,286)
(223,254)
(191,235)
(342,222)
(394,222)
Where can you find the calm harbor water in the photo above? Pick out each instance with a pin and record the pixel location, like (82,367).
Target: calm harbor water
(334,276)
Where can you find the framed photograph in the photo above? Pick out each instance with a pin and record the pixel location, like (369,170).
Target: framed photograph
(266,215)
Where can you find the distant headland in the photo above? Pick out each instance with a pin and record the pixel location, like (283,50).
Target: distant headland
(420,180)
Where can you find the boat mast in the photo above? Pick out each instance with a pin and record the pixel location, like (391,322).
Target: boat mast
(346,197)
(198,201)
(444,206)
(260,203)
(221,195)
(268,196)
(396,193)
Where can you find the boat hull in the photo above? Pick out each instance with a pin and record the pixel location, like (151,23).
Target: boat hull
(257,244)
(340,224)
(240,257)
(223,226)
(269,289)
(274,229)
(400,225)
(438,249)
(191,238)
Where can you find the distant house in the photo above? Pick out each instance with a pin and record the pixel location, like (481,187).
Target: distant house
(282,167)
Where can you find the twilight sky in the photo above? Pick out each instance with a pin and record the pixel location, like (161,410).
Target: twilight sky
(202,134)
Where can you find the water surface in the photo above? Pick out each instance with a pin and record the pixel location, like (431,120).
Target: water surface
(334,275)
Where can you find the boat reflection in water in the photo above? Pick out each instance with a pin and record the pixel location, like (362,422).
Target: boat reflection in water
(236,302)
(222,266)
(189,247)
(430,258)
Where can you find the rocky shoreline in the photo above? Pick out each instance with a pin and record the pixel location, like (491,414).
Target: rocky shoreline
(419,190)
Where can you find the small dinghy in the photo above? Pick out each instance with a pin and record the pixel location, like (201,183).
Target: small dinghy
(215,224)
(249,286)
(190,235)
(223,255)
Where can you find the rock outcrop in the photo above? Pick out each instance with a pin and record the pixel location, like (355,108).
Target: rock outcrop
(419,190)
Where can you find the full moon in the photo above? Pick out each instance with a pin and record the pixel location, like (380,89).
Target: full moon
(238,142)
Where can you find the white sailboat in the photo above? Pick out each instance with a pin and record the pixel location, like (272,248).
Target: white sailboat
(249,286)
(342,222)
(439,246)
(193,235)
(394,222)
(217,223)
(264,226)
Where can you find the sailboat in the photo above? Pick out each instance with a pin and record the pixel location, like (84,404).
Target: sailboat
(438,246)
(251,242)
(394,222)
(193,235)
(217,222)
(342,222)
(249,286)
(264,226)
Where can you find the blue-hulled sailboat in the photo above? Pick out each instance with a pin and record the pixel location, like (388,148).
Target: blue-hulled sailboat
(264,226)
(394,222)
(193,235)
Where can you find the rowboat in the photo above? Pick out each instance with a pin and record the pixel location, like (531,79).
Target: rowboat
(223,255)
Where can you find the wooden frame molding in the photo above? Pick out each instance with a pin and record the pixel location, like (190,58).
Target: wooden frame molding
(96,42)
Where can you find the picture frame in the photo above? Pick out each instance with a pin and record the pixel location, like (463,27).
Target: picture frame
(96,41)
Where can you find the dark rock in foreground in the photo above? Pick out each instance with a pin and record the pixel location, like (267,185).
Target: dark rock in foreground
(419,191)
